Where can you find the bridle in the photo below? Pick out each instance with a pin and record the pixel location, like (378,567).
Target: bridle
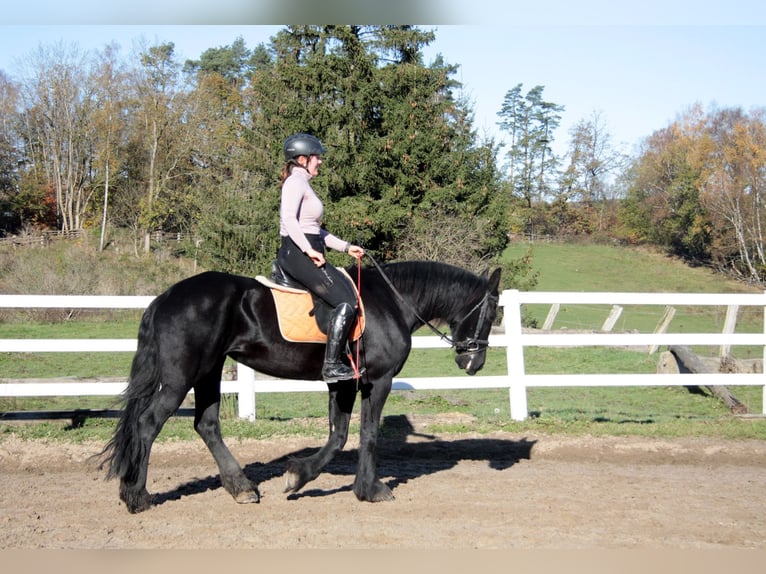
(475,344)
(466,346)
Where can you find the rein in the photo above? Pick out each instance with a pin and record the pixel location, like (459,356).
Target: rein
(470,345)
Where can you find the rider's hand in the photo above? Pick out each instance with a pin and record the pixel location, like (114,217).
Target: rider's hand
(355,251)
(316,257)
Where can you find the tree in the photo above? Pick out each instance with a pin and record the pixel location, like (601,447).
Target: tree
(159,134)
(399,143)
(160,149)
(234,157)
(530,122)
(232,63)
(10,150)
(107,126)
(592,161)
(58,112)
(427,158)
(234,170)
(733,190)
(663,203)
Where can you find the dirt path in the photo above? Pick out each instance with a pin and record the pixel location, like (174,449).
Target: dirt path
(452,492)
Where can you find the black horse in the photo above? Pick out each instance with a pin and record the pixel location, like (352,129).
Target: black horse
(187,332)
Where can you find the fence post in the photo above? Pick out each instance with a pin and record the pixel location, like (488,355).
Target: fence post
(763,368)
(611,320)
(663,325)
(246,392)
(729,326)
(515,354)
(552,312)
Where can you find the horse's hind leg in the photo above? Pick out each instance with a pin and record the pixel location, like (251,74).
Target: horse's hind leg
(302,470)
(207,424)
(133,482)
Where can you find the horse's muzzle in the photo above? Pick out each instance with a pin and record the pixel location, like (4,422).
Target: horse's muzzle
(471,363)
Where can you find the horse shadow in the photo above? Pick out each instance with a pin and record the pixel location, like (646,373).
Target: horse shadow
(399,461)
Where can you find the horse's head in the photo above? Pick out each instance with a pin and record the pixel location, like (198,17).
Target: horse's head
(470,332)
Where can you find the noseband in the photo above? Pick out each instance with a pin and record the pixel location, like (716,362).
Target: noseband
(466,346)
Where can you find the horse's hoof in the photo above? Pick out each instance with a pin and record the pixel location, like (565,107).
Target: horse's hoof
(134,507)
(248,497)
(383,496)
(135,501)
(378,492)
(293,482)
(296,475)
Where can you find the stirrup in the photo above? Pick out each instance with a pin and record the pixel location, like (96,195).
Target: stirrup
(333,371)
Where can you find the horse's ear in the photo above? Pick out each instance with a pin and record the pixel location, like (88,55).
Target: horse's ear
(484,274)
(494,281)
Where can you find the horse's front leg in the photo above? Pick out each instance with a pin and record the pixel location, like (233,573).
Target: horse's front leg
(367,485)
(341,402)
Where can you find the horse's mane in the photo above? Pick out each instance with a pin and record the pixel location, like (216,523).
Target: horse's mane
(441,287)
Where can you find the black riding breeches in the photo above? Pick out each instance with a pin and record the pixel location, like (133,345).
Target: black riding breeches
(326,282)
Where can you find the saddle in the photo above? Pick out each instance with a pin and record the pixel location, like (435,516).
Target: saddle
(303,317)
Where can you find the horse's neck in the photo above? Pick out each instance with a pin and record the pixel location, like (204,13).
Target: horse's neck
(434,303)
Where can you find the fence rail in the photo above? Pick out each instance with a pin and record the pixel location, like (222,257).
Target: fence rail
(514,339)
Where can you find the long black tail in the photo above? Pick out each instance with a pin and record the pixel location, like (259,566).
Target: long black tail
(125,450)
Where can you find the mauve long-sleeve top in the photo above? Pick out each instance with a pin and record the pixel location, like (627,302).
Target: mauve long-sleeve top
(300,212)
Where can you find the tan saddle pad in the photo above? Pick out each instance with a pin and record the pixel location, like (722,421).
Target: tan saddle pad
(295,313)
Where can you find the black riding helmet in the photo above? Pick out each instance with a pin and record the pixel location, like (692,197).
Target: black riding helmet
(302,144)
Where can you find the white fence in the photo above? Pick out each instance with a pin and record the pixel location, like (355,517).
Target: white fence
(248,384)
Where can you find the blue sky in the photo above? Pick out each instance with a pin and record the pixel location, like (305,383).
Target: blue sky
(638,68)
(638,78)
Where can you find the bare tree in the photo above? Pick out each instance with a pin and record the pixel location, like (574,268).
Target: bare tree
(734,189)
(443,237)
(592,160)
(59,111)
(108,124)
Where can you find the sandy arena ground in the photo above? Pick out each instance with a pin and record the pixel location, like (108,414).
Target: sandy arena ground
(452,492)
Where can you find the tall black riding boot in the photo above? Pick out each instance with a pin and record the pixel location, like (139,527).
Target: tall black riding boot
(334,369)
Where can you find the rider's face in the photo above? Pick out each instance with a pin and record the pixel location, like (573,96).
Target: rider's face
(313,163)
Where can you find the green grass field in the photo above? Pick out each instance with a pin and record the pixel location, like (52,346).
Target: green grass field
(649,411)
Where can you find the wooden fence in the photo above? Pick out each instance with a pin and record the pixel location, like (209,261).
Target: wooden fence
(46,237)
(514,339)
(40,240)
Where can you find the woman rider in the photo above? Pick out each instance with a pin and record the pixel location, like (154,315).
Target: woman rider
(303,247)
